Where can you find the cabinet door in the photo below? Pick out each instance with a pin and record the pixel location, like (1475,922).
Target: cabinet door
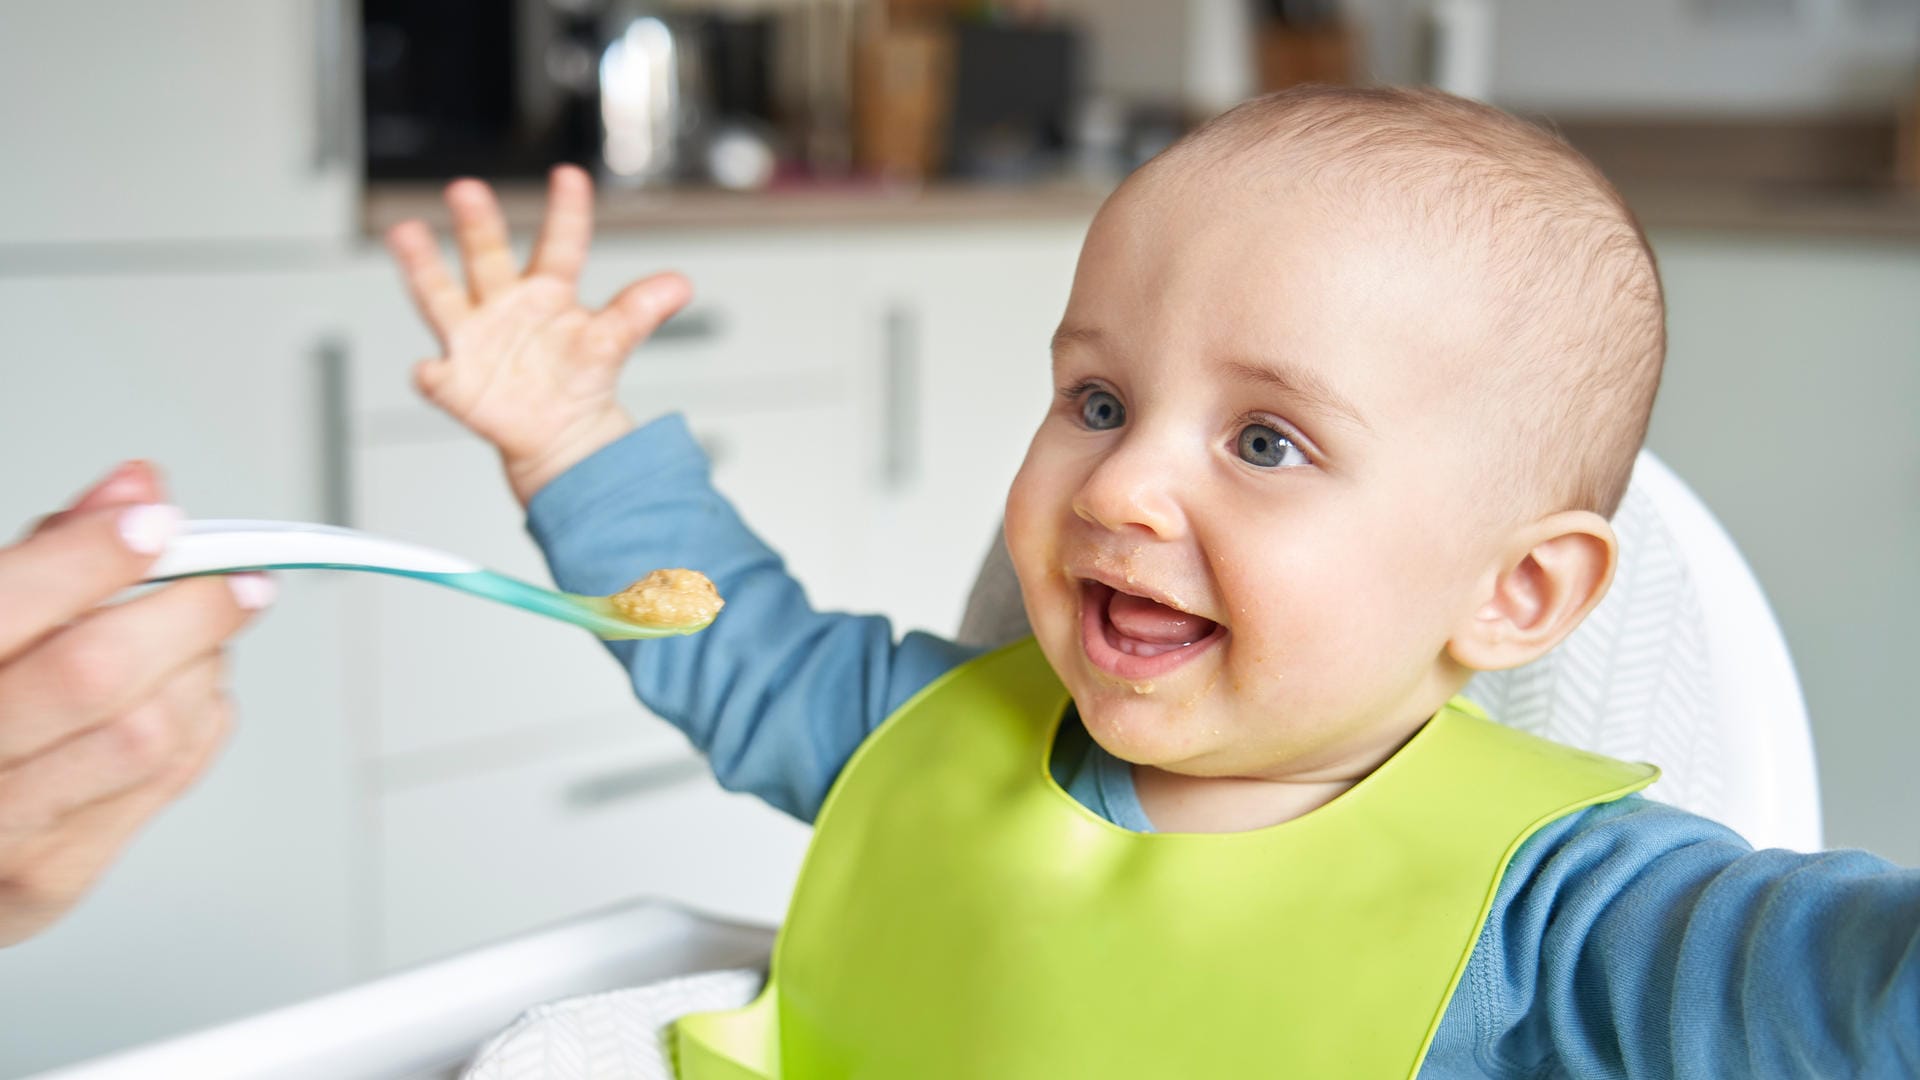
(200,120)
(771,315)
(448,670)
(471,858)
(960,378)
(238,896)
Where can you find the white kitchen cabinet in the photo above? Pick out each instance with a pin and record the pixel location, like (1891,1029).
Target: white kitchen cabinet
(959,377)
(516,779)
(243,894)
(192,120)
(482,855)
(447,669)
(768,312)
(763,366)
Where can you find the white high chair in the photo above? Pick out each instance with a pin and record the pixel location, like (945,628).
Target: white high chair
(1682,664)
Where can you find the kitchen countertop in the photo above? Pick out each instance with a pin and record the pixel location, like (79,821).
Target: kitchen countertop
(1883,212)
(655,210)
(1833,176)
(1821,176)
(1886,213)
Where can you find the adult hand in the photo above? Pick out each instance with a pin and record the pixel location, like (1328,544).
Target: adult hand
(106,713)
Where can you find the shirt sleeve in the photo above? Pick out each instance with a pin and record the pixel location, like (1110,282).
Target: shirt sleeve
(776,694)
(1643,941)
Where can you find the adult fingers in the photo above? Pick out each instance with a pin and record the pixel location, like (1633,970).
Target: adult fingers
(568,229)
(440,300)
(69,566)
(634,314)
(41,879)
(117,658)
(129,482)
(38,792)
(481,232)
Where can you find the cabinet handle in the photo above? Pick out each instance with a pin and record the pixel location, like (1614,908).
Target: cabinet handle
(331,100)
(719,449)
(335,427)
(605,789)
(900,400)
(689,326)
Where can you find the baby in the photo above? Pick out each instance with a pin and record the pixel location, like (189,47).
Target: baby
(1348,385)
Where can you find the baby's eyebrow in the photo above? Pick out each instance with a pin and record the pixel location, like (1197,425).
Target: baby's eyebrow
(1301,385)
(1075,335)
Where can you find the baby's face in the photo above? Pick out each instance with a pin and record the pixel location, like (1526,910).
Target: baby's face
(1246,529)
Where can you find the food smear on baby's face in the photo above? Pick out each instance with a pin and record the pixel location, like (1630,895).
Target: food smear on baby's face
(669,598)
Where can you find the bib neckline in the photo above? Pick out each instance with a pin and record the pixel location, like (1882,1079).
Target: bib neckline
(1050,736)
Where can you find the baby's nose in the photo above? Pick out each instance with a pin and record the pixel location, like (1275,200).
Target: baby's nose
(1131,490)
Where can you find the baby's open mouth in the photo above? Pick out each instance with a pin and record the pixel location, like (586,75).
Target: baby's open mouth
(1137,636)
(1139,626)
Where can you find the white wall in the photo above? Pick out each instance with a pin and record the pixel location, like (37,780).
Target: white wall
(1742,56)
(1792,383)
(1567,56)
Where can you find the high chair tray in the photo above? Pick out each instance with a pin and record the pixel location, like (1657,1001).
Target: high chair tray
(428,1021)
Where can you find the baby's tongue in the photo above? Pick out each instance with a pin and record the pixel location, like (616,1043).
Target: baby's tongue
(1147,620)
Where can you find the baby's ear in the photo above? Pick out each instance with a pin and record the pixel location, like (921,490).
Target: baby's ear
(1553,574)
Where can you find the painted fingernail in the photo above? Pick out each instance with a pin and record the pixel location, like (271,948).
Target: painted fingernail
(122,483)
(252,591)
(146,529)
(108,484)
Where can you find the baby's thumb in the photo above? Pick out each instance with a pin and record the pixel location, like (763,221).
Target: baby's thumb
(429,376)
(639,309)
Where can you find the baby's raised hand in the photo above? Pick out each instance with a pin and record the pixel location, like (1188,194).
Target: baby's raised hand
(526,366)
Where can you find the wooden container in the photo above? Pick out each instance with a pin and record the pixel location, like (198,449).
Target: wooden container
(1288,55)
(1906,150)
(902,89)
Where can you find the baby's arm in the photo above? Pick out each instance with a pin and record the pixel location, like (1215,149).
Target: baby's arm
(776,694)
(1647,942)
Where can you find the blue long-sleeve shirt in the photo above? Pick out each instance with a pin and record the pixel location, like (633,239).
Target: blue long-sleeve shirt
(1629,940)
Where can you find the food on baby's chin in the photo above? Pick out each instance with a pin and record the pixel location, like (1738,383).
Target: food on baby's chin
(669,598)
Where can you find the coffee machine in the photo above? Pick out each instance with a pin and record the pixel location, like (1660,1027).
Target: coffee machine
(638,92)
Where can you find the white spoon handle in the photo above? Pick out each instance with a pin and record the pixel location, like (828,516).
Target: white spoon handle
(208,547)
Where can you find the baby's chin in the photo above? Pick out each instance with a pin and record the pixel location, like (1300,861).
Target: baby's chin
(1148,728)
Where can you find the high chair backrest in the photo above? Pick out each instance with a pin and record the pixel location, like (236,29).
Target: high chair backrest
(1681,665)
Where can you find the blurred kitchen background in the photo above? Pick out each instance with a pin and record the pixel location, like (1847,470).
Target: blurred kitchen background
(879,203)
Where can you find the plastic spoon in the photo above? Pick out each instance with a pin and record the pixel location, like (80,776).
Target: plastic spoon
(222,547)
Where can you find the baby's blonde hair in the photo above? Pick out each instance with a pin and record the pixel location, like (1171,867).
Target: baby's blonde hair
(1580,330)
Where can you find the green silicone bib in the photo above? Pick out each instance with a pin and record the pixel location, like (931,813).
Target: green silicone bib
(961,916)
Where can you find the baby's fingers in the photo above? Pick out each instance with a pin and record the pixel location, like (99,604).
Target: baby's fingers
(441,301)
(632,316)
(481,231)
(568,229)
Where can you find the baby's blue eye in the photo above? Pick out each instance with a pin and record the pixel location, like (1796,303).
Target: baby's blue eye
(1100,411)
(1261,445)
